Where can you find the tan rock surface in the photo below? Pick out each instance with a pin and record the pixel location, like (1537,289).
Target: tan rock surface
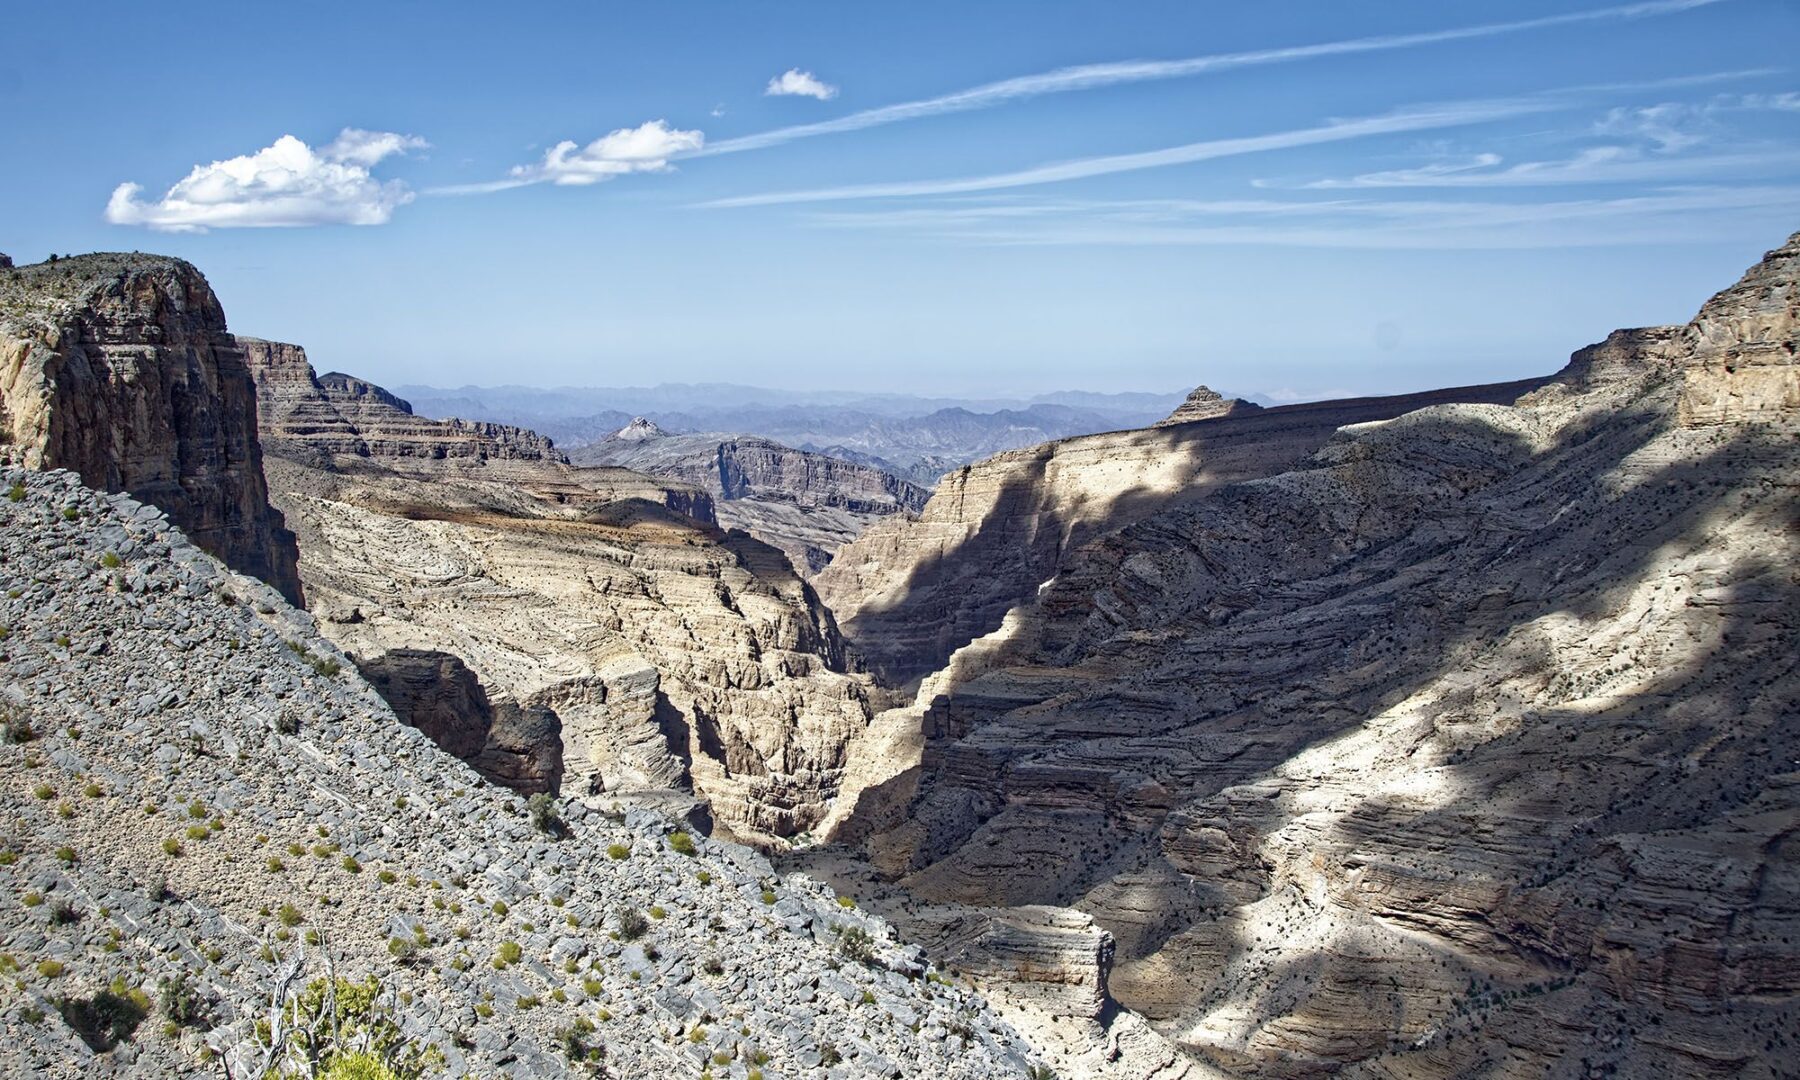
(1465,748)
(673,655)
(120,368)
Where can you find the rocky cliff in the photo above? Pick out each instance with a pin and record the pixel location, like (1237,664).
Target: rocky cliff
(334,413)
(120,367)
(1462,747)
(549,623)
(807,504)
(206,809)
(910,593)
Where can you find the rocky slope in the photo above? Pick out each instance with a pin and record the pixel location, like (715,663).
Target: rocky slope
(120,367)
(1465,747)
(807,504)
(200,794)
(585,626)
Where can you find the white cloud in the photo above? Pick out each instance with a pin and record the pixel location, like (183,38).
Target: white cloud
(1091,76)
(796,83)
(645,148)
(285,184)
(367,148)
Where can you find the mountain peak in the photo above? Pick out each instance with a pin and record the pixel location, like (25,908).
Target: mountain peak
(639,430)
(1205,403)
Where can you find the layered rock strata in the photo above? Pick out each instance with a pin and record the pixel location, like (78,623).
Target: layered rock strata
(674,657)
(808,504)
(910,593)
(1205,403)
(1463,748)
(120,367)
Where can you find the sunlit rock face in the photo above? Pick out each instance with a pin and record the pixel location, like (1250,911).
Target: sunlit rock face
(1462,746)
(605,634)
(120,368)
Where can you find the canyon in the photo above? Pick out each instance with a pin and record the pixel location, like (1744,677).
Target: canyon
(1431,735)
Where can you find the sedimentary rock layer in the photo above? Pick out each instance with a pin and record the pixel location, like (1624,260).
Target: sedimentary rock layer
(1205,403)
(807,504)
(1466,747)
(910,593)
(120,367)
(674,657)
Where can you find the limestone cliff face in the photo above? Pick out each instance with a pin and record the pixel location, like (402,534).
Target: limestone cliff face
(910,593)
(121,369)
(588,627)
(335,414)
(1463,747)
(808,504)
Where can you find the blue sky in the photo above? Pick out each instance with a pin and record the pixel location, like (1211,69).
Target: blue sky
(1292,199)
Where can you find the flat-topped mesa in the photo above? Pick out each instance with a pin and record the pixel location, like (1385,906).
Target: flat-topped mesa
(120,368)
(1205,403)
(331,414)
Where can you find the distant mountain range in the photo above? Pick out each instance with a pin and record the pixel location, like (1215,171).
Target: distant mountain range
(916,438)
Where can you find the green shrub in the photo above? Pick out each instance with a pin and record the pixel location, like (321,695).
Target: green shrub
(107,1018)
(50,969)
(16,493)
(290,916)
(66,856)
(632,924)
(110,560)
(683,844)
(768,896)
(511,952)
(351,865)
(386,877)
(618,852)
(44,792)
(171,846)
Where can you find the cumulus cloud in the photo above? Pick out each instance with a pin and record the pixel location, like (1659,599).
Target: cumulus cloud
(645,148)
(796,83)
(286,184)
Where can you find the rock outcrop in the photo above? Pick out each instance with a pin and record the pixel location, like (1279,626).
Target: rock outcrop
(807,504)
(1205,403)
(1462,747)
(520,747)
(206,807)
(598,610)
(120,367)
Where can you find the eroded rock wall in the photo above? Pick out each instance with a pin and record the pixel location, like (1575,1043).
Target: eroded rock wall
(1463,748)
(120,368)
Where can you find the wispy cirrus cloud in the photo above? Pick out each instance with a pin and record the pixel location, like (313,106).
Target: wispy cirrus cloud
(286,184)
(796,83)
(1652,143)
(1094,76)
(647,148)
(1687,213)
(1418,118)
